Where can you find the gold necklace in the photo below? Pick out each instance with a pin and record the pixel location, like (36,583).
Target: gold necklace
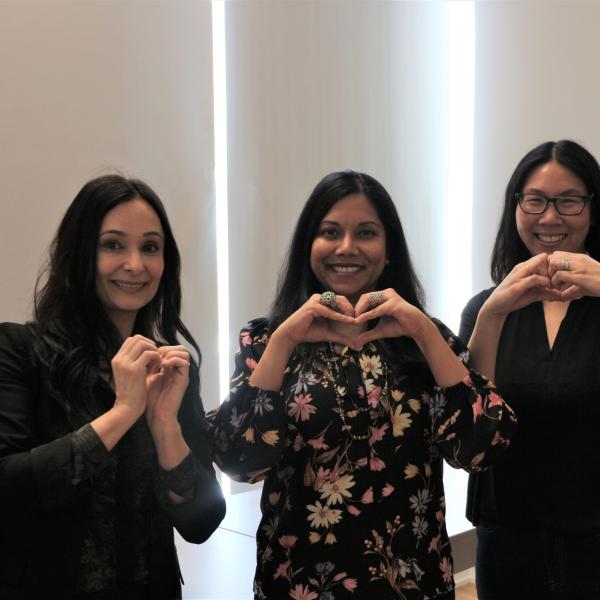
(357,410)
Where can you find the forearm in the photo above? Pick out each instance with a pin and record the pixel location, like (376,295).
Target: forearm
(268,373)
(446,368)
(483,345)
(114,424)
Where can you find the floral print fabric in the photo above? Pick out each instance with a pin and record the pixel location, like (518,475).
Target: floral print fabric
(347,518)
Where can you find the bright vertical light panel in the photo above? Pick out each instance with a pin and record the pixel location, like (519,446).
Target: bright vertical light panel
(461,96)
(220,128)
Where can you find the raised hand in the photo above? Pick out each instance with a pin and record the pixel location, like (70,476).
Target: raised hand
(574,275)
(528,282)
(167,385)
(396,316)
(136,359)
(315,322)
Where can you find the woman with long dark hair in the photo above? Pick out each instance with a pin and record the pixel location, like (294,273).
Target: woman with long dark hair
(537,334)
(103,447)
(344,400)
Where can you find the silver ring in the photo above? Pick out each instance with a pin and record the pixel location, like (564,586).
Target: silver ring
(564,265)
(376,298)
(328,299)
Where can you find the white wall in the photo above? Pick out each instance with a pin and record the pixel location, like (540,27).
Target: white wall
(89,87)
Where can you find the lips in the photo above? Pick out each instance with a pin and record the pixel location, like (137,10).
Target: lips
(129,285)
(345,268)
(550,238)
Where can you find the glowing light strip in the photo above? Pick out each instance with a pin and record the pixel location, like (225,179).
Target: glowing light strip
(461,96)
(220,130)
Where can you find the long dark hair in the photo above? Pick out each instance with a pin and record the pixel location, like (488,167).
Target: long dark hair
(509,250)
(75,335)
(297,282)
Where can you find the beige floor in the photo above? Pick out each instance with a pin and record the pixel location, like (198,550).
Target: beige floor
(466,592)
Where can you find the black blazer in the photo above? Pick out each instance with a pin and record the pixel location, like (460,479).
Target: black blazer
(42,512)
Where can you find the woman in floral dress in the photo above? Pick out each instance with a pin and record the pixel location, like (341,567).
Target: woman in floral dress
(344,401)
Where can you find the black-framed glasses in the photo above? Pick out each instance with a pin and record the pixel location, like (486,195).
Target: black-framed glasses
(569,205)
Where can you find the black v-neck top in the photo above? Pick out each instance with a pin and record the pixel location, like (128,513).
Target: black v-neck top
(548,477)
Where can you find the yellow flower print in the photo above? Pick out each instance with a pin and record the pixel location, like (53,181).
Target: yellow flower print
(335,491)
(400,421)
(270,437)
(410,471)
(322,516)
(370,364)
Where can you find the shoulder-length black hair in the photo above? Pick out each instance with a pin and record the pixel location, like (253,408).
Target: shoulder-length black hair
(76,334)
(509,249)
(297,282)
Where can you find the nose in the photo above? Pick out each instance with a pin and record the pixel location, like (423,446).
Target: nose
(550,215)
(347,245)
(133,262)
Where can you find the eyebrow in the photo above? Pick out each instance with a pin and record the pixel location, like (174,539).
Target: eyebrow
(563,193)
(123,234)
(360,224)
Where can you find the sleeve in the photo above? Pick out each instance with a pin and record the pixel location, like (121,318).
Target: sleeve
(36,474)
(468,317)
(470,423)
(194,479)
(251,425)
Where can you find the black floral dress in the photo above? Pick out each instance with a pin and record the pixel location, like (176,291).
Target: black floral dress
(351,454)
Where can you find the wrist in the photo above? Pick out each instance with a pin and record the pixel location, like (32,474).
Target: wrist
(282,342)
(126,413)
(491,315)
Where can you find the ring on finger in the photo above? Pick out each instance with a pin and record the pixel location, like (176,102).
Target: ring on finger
(328,299)
(376,298)
(564,264)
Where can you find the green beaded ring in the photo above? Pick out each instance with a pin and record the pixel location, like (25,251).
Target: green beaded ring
(327,299)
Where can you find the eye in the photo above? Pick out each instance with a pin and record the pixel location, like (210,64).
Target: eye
(109,244)
(151,248)
(329,233)
(367,233)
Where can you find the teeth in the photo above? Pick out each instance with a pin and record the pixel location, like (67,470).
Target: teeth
(345,268)
(546,237)
(129,284)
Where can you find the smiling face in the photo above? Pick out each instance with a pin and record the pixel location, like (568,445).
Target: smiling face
(129,261)
(348,253)
(550,231)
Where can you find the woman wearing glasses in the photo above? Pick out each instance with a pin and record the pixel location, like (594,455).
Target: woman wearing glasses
(345,401)
(537,334)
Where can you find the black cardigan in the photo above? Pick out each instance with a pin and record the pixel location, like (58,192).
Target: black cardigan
(42,511)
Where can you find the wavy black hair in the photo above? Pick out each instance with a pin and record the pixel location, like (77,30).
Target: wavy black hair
(297,282)
(75,335)
(509,250)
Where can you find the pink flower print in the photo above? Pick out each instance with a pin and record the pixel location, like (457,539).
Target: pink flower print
(439,515)
(468,381)
(340,576)
(376,464)
(494,399)
(350,584)
(387,490)
(367,497)
(497,439)
(301,592)
(377,433)
(446,569)
(318,443)
(298,441)
(301,408)
(353,510)
(251,363)
(288,541)
(374,396)
(322,476)
(434,545)
(282,569)
(245,338)
(477,408)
